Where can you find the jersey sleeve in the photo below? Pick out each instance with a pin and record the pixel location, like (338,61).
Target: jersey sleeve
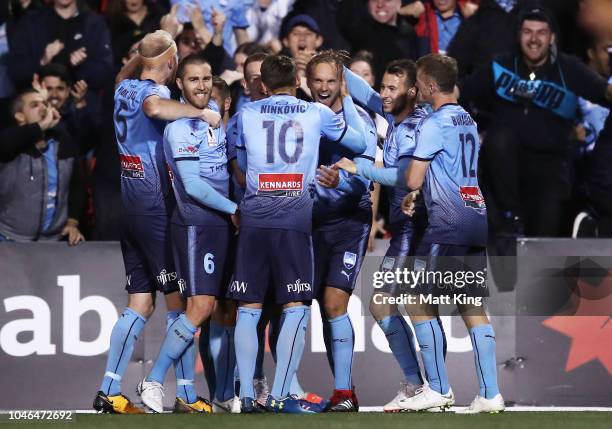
(371,136)
(333,126)
(428,141)
(230,138)
(160,90)
(183,145)
(237,133)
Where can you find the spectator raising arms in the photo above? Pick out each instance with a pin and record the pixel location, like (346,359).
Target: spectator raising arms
(68,34)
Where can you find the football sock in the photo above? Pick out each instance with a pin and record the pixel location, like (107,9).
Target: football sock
(431,341)
(261,350)
(246,344)
(207,361)
(483,343)
(179,337)
(401,341)
(290,347)
(224,358)
(123,337)
(327,339)
(184,367)
(343,340)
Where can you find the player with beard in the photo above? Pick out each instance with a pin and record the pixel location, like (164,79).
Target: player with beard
(200,230)
(141,108)
(396,102)
(275,250)
(342,216)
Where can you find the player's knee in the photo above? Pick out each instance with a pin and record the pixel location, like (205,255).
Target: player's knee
(334,308)
(200,308)
(145,306)
(379,311)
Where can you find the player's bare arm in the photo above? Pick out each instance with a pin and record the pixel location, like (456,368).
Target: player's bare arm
(170,110)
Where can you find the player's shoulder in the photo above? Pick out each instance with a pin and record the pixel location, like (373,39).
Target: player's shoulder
(414,120)
(182,127)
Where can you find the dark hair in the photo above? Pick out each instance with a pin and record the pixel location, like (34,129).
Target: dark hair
(221,86)
(278,71)
(195,58)
(56,70)
(17,102)
(441,68)
(363,55)
(250,48)
(338,58)
(259,56)
(404,69)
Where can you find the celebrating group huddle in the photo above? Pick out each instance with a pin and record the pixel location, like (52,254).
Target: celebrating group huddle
(249,231)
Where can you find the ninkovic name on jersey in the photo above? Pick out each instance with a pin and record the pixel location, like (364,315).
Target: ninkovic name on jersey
(283,109)
(280,184)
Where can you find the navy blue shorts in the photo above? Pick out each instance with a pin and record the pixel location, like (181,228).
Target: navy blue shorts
(201,256)
(338,257)
(404,244)
(147,254)
(452,269)
(273,259)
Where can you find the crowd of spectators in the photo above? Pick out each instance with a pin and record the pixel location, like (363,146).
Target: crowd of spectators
(59,168)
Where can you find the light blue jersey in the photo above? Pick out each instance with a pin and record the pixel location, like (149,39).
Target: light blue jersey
(399,146)
(457,215)
(144,179)
(237,191)
(348,203)
(281,136)
(194,140)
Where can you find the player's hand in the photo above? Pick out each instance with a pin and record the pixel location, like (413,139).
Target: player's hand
(211,117)
(77,57)
(71,230)
(170,22)
(378,226)
(236,221)
(347,165)
(408,204)
(328,177)
(51,50)
(78,92)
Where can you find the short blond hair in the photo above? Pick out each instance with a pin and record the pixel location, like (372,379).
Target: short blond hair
(155,44)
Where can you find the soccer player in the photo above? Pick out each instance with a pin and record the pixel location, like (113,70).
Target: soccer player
(141,107)
(200,228)
(444,166)
(397,104)
(341,227)
(275,243)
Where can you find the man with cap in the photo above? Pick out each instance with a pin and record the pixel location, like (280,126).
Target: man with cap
(532,96)
(301,39)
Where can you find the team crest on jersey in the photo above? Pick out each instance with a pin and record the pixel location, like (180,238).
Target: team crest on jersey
(387,264)
(280,184)
(472,197)
(349,260)
(131,167)
(212,140)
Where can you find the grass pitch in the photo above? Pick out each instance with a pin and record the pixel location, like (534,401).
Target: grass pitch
(508,420)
